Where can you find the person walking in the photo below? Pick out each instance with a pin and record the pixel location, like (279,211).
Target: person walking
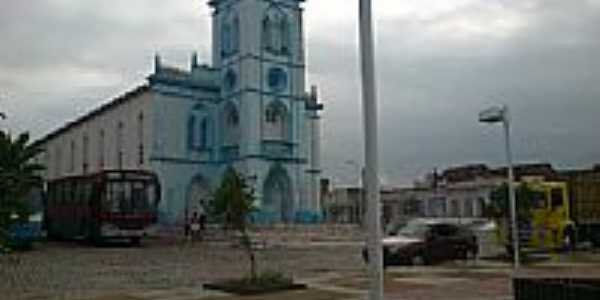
(195,226)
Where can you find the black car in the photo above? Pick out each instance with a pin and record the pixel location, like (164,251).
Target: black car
(428,241)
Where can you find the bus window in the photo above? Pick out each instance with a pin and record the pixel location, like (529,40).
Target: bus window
(126,205)
(118,195)
(67,193)
(87,193)
(138,197)
(538,200)
(556,198)
(76,187)
(111,199)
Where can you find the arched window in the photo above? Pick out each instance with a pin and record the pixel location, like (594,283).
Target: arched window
(226,40)
(231,120)
(276,122)
(191,132)
(285,36)
(276,32)
(267,33)
(235,35)
(204,133)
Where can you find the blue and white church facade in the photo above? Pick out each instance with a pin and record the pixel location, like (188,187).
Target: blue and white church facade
(248,111)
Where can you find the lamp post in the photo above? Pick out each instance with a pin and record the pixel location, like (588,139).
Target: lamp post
(371,182)
(500,114)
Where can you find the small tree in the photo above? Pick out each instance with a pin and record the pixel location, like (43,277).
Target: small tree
(18,176)
(499,206)
(232,205)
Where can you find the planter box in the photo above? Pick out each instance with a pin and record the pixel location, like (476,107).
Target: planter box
(556,287)
(237,288)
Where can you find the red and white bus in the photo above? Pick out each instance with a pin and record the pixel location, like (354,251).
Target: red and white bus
(119,204)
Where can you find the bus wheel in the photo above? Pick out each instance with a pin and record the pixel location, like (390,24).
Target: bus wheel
(136,241)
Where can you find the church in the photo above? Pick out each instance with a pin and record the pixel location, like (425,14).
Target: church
(249,111)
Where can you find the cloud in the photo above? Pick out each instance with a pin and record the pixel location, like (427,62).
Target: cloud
(439,62)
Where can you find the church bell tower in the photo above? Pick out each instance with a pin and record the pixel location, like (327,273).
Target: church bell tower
(258,49)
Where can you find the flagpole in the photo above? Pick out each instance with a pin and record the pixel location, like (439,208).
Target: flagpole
(369,94)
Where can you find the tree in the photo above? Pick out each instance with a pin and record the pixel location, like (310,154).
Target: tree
(232,205)
(18,176)
(499,206)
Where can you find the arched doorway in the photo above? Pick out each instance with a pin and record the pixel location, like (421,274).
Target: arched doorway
(199,195)
(277,195)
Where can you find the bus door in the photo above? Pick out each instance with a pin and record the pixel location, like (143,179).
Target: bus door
(539,226)
(558,215)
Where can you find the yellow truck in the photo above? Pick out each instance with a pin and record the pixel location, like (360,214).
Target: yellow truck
(548,225)
(564,211)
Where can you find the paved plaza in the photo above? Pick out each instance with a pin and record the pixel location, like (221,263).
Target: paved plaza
(171,270)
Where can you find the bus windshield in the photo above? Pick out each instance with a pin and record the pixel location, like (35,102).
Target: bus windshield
(130,197)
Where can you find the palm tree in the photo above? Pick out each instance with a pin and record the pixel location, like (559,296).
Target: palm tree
(18,176)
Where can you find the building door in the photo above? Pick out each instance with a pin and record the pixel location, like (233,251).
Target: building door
(199,196)
(278,198)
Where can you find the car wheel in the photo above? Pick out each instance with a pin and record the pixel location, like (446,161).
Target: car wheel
(462,254)
(418,260)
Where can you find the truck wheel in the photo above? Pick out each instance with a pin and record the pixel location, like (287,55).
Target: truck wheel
(569,241)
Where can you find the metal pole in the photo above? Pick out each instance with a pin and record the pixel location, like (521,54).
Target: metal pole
(511,188)
(371,182)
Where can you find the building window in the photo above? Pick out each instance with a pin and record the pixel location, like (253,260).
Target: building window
(72,160)
(120,128)
(101,149)
(229,80)
(85,153)
(276,122)
(231,119)
(226,40)
(267,33)
(235,42)
(198,129)
(285,36)
(58,162)
(277,79)
(141,139)
(276,33)
(204,133)
(191,132)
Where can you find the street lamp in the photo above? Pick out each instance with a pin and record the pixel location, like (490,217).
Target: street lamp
(371,182)
(500,114)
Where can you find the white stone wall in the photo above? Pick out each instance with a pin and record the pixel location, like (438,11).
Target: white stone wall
(61,161)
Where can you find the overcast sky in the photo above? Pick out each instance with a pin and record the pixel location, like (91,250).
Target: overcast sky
(438,63)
